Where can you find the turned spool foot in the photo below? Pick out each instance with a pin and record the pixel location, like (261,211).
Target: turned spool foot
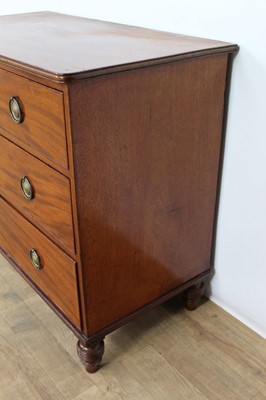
(91,355)
(193,296)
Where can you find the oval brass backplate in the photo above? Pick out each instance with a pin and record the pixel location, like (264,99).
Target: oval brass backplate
(27,188)
(15,110)
(35,259)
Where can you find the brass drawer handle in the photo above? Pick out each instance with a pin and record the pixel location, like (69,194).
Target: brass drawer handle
(35,259)
(15,109)
(26,188)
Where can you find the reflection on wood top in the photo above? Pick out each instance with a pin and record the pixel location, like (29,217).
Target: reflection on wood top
(63,47)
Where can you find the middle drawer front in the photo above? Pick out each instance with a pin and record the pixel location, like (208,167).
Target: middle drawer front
(55,275)
(50,207)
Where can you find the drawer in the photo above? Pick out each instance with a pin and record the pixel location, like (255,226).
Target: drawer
(57,277)
(43,125)
(50,206)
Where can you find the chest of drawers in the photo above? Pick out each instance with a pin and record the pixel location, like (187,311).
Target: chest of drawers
(111,145)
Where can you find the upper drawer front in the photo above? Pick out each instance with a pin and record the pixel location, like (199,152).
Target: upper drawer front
(43,125)
(57,277)
(50,207)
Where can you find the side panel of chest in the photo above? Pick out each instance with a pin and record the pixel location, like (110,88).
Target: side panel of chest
(146,149)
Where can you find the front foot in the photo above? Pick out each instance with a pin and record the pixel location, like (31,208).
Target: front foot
(193,296)
(91,354)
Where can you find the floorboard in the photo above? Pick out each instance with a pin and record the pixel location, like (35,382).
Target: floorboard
(169,353)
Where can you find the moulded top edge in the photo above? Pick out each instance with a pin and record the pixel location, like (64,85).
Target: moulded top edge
(65,48)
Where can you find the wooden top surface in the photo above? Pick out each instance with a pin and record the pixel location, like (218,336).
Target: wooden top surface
(63,47)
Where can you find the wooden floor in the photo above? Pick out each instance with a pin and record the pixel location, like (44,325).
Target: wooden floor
(169,353)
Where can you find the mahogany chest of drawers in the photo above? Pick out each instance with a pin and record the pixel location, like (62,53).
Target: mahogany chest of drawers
(111,146)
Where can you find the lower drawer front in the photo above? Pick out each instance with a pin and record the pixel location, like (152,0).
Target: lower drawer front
(57,276)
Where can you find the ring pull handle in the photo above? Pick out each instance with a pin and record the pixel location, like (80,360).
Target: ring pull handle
(15,109)
(26,188)
(35,259)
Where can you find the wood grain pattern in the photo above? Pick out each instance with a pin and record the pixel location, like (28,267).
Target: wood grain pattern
(259,396)
(57,279)
(209,359)
(38,353)
(43,128)
(52,374)
(234,344)
(150,367)
(68,113)
(89,47)
(116,382)
(126,125)
(146,157)
(51,206)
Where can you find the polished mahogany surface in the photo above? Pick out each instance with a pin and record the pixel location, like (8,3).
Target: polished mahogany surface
(64,47)
(122,139)
(57,278)
(43,125)
(146,157)
(50,207)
